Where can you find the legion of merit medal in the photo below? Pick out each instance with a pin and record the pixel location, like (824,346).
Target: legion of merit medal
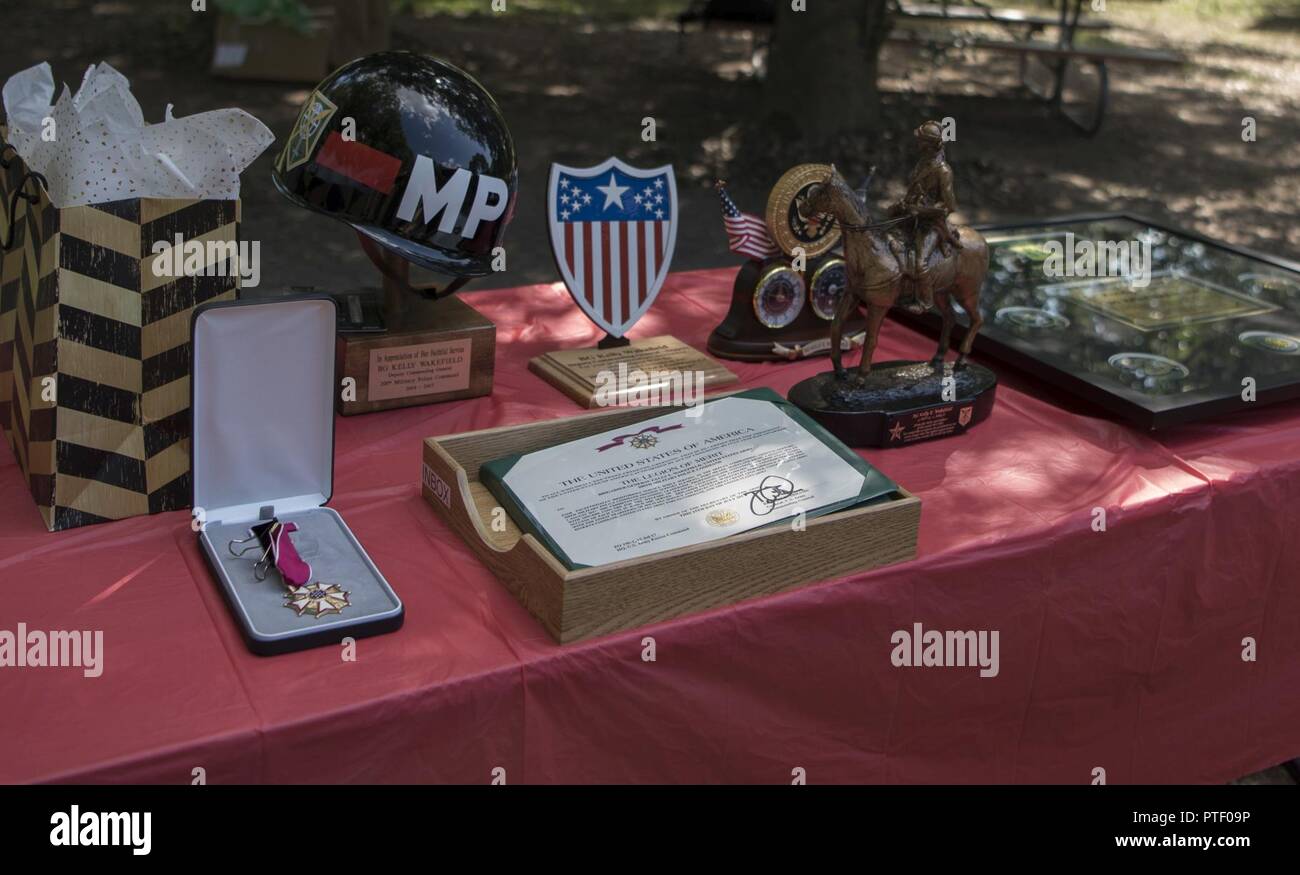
(317,599)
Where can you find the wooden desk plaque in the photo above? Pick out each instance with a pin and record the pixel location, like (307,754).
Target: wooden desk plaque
(596,377)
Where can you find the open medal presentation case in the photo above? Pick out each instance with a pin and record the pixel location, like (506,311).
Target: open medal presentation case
(263,446)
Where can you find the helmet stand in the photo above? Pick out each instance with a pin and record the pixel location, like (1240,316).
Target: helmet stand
(396,272)
(432,346)
(398,290)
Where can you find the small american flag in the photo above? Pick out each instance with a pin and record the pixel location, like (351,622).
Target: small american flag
(746,233)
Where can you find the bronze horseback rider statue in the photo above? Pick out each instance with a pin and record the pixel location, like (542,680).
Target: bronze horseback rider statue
(928,203)
(914,259)
(946,266)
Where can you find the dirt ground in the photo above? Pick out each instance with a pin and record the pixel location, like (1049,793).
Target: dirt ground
(575,89)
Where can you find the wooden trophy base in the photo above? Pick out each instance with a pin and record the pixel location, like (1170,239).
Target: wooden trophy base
(638,372)
(432,351)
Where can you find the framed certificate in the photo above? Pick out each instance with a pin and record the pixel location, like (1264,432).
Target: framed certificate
(693,475)
(1203,330)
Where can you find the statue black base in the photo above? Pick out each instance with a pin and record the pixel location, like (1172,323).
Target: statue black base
(898,403)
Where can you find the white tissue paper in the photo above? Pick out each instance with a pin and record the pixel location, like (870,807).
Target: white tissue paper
(94,146)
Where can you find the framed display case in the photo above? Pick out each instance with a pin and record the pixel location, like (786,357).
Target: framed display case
(1192,329)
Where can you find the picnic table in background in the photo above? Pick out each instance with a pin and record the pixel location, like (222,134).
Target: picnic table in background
(1077,81)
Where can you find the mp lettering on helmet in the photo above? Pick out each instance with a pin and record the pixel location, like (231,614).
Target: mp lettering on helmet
(423,194)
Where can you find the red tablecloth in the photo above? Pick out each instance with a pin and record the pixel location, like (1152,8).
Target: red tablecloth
(1120,650)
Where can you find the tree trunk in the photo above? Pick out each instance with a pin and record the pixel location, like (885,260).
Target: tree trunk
(823,63)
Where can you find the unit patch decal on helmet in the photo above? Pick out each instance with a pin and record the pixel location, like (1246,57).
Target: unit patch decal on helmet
(315,114)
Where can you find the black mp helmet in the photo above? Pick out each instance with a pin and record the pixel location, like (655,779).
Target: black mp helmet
(410,151)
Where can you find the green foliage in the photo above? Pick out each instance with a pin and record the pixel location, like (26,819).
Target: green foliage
(290,13)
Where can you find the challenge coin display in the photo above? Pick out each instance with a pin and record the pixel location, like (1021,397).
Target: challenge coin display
(681,479)
(613,229)
(1173,339)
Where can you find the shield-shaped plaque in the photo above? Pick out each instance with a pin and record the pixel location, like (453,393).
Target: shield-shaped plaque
(613,228)
(964,416)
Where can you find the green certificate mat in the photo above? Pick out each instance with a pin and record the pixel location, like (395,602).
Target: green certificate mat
(691,476)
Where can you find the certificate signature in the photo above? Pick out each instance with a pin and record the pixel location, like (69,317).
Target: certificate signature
(764,498)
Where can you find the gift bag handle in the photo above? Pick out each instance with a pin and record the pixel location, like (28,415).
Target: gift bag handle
(13,204)
(6,147)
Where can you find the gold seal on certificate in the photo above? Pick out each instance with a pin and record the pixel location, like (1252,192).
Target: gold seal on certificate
(690,476)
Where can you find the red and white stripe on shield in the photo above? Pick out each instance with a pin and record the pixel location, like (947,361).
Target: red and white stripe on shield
(615,264)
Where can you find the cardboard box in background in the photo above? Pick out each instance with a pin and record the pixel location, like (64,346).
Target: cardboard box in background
(246,50)
(361,27)
(341,30)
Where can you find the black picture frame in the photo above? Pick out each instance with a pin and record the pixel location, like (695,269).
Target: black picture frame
(1175,410)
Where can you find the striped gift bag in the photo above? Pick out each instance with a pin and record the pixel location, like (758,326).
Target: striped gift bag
(94,346)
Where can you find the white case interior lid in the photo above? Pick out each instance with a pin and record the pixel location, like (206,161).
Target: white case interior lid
(263,407)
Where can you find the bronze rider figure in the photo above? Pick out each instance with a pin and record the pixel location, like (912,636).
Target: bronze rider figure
(929,201)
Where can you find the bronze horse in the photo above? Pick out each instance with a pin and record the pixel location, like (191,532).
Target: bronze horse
(875,275)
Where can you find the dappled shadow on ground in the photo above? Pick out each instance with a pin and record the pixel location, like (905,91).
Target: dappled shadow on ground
(1283,23)
(577,91)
